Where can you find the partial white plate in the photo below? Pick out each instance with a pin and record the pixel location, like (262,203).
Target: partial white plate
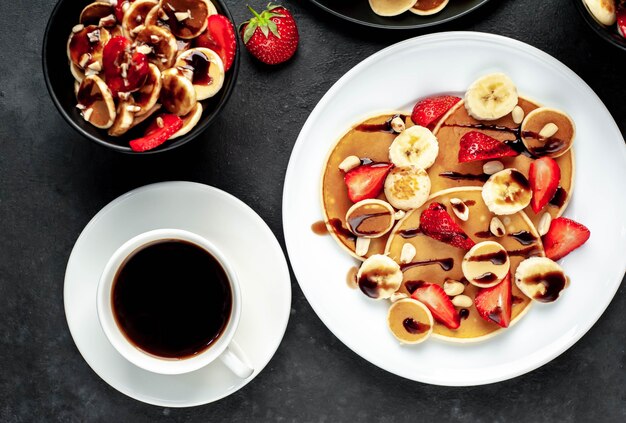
(395,78)
(237,231)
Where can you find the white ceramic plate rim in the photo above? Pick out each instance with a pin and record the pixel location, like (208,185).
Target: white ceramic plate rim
(282,269)
(540,356)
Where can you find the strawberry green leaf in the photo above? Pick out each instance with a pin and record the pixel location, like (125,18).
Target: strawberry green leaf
(249,32)
(272,26)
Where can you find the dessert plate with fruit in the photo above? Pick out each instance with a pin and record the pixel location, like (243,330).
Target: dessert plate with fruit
(399,14)
(445,192)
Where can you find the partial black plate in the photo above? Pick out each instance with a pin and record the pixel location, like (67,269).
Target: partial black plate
(608,34)
(359,11)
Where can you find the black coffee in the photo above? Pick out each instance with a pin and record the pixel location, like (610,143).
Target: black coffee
(172,299)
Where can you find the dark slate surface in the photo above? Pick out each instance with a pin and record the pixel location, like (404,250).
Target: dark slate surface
(52,182)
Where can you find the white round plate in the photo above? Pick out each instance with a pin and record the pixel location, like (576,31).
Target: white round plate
(243,238)
(394,79)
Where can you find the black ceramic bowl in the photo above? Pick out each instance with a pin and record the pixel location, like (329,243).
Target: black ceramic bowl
(608,34)
(60,83)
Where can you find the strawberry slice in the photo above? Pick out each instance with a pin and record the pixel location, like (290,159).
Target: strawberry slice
(159,131)
(494,304)
(366,181)
(427,112)
(436,223)
(621,19)
(563,237)
(124,70)
(475,145)
(439,304)
(219,37)
(544,176)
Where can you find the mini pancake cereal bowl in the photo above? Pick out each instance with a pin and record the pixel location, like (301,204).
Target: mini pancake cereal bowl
(140,76)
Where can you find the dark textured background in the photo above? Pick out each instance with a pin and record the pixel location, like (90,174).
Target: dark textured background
(52,182)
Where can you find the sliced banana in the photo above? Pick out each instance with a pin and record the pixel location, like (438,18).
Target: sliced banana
(177,93)
(162,44)
(541,279)
(379,277)
(189,121)
(370,218)
(85,46)
(506,192)
(407,187)
(410,321)
(602,11)
(135,16)
(491,97)
(94,12)
(148,95)
(124,119)
(96,102)
(425,9)
(486,264)
(391,7)
(548,132)
(142,118)
(415,146)
(204,68)
(186,18)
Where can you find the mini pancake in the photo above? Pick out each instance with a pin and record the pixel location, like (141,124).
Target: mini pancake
(436,262)
(428,7)
(391,7)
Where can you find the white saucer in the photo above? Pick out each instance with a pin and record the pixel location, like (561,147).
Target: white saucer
(238,232)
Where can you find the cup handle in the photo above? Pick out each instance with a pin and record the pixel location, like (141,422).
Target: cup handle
(235,359)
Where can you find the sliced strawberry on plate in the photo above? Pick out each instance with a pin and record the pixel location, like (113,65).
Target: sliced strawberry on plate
(439,304)
(160,130)
(563,237)
(475,145)
(437,223)
(219,37)
(544,176)
(494,304)
(366,181)
(427,112)
(124,70)
(621,19)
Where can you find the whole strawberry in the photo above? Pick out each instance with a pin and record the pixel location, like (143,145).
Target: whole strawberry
(272,36)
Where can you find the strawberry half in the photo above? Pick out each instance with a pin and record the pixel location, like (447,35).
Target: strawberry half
(160,130)
(563,237)
(436,223)
(494,304)
(219,37)
(544,176)
(439,304)
(366,181)
(124,71)
(271,36)
(475,145)
(427,112)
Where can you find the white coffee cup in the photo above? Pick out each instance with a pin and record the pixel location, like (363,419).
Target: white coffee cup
(224,348)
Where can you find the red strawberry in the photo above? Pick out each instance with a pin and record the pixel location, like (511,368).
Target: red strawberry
(494,304)
(366,181)
(544,176)
(159,131)
(219,37)
(272,36)
(427,112)
(439,304)
(119,9)
(436,223)
(123,70)
(563,237)
(621,19)
(475,145)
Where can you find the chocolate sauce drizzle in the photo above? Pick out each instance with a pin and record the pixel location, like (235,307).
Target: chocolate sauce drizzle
(446,264)
(409,233)
(380,127)
(497,258)
(523,237)
(356,222)
(411,326)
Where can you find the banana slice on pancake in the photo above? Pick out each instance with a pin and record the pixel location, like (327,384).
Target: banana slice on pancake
(486,264)
(85,45)
(204,68)
(415,146)
(491,97)
(379,277)
(541,279)
(428,7)
(96,102)
(148,95)
(135,16)
(159,45)
(391,7)
(407,187)
(189,121)
(178,95)
(507,192)
(603,11)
